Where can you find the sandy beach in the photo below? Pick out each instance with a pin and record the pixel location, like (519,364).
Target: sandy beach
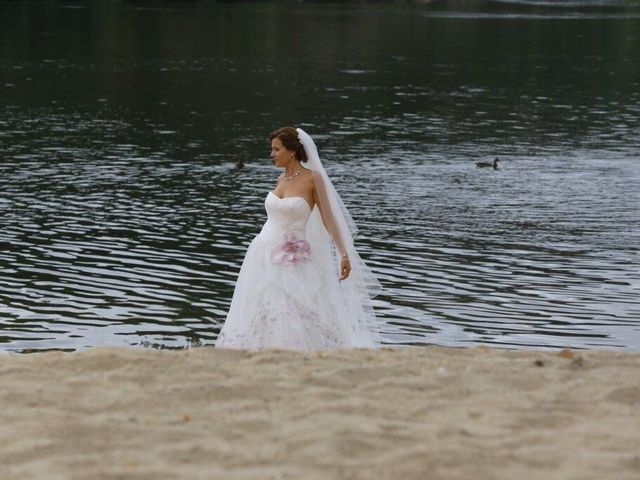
(411,413)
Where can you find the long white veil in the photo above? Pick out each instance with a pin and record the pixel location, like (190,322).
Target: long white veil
(331,232)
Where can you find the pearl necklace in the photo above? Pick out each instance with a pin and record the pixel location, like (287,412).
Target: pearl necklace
(292,176)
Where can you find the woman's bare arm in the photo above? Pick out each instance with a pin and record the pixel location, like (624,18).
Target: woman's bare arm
(321,199)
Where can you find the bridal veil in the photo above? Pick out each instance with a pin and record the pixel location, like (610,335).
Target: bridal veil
(331,232)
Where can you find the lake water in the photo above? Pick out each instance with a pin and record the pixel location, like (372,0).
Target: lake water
(124,222)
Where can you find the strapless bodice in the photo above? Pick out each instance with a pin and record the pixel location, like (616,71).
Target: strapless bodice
(284,215)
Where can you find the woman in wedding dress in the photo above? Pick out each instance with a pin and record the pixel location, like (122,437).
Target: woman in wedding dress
(302,284)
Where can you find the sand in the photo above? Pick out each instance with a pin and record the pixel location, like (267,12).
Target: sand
(410,413)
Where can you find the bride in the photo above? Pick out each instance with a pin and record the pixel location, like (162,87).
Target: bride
(302,285)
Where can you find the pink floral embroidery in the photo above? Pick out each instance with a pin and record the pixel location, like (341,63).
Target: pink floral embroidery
(291,251)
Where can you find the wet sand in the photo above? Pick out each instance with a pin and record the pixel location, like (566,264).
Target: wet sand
(411,413)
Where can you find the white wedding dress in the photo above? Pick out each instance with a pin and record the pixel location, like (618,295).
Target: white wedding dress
(292,298)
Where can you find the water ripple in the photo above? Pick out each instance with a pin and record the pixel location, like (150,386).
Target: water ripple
(123,221)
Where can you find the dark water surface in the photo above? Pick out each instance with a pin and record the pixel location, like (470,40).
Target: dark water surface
(123,221)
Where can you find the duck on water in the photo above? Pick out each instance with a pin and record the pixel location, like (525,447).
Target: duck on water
(493,164)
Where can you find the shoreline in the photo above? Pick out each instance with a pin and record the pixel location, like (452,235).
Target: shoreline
(411,412)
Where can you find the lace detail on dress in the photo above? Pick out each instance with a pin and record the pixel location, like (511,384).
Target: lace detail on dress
(287,293)
(290,326)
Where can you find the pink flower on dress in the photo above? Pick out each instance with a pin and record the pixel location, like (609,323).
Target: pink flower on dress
(292,251)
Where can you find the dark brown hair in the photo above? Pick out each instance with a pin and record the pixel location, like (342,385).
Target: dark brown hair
(289,138)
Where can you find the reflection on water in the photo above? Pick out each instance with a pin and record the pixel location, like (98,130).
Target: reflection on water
(123,221)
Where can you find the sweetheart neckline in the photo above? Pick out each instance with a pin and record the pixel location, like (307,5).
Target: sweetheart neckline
(292,196)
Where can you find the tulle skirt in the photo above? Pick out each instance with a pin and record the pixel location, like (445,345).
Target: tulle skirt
(300,306)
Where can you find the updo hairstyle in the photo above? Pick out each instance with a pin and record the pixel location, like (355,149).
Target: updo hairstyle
(289,138)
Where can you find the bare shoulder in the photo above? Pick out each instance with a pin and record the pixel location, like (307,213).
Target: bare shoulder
(315,175)
(310,179)
(315,178)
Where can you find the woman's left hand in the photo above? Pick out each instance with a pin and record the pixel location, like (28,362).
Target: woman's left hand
(345,268)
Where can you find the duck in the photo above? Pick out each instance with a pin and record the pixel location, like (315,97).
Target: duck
(239,163)
(493,164)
